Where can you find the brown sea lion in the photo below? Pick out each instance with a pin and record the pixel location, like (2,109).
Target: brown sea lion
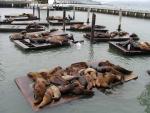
(47,98)
(57,40)
(75,68)
(91,76)
(80,89)
(57,71)
(145,46)
(52,93)
(105,63)
(76,26)
(104,80)
(39,88)
(34,75)
(58,80)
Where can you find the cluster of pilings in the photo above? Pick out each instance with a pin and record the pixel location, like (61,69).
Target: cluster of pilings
(129,13)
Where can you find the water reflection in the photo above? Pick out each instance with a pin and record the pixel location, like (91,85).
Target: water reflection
(144,98)
(2,77)
(91,52)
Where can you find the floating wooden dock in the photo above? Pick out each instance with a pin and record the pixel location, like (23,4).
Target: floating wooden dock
(113,45)
(57,23)
(25,86)
(27,45)
(19,15)
(18,28)
(116,39)
(87,30)
(5,22)
(45,23)
(25,18)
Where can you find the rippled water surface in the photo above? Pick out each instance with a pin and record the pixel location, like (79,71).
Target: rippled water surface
(132,97)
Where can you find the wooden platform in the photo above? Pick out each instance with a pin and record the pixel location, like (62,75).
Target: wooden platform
(87,30)
(115,39)
(19,15)
(25,19)
(26,45)
(25,86)
(17,28)
(5,22)
(45,23)
(124,51)
(57,23)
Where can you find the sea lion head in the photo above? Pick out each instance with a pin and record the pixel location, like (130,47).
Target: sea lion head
(34,75)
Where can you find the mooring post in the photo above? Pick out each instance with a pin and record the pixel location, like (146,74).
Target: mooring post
(93,27)
(34,10)
(88,16)
(47,12)
(120,20)
(73,12)
(64,19)
(38,8)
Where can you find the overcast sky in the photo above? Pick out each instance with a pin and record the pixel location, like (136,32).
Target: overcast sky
(122,0)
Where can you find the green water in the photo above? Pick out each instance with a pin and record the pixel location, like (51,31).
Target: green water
(132,97)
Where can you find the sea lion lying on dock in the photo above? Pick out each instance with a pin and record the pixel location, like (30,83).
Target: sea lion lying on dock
(77,79)
(145,46)
(52,94)
(85,27)
(104,80)
(116,33)
(57,40)
(76,26)
(39,88)
(74,68)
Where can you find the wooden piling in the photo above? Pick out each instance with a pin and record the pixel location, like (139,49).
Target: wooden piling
(47,12)
(33,10)
(88,16)
(74,13)
(64,19)
(120,19)
(38,8)
(93,27)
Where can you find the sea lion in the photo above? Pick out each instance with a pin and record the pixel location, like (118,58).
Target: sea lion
(47,98)
(74,68)
(122,70)
(104,80)
(91,75)
(52,93)
(145,46)
(57,40)
(66,89)
(34,75)
(56,92)
(58,80)
(76,26)
(39,88)
(105,63)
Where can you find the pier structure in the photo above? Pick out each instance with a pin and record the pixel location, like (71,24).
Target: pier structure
(15,3)
(115,11)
